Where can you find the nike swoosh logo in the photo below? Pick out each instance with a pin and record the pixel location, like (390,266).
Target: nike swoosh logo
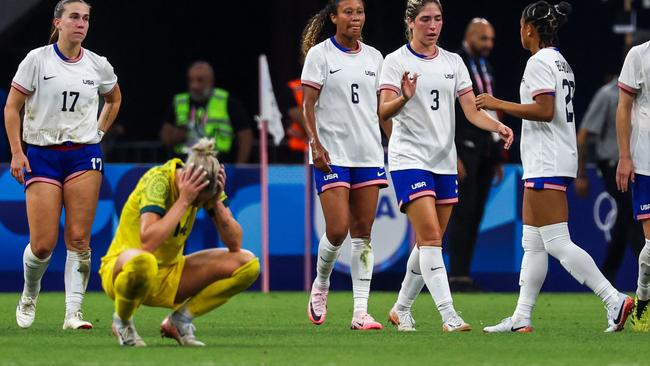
(48,78)
(380,174)
(433,269)
(335,71)
(326,261)
(415,273)
(620,314)
(517,329)
(313,314)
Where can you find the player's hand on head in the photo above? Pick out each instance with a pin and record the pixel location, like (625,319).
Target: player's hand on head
(486,101)
(409,85)
(624,173)
(506,135)
(221,180)
(193,179)
(18,163)
(321,157)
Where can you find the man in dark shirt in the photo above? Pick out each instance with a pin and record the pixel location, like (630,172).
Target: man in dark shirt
(478,159)
(206,111)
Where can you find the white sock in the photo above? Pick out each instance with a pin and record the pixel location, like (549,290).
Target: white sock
(412,284)
(76,275)
(434,274)
(327,256)
(577,262)
(534,266)
(33,269)
(183,315)
(363,261)
(643,284)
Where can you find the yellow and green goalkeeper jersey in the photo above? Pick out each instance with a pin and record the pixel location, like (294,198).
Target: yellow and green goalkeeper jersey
(156,192)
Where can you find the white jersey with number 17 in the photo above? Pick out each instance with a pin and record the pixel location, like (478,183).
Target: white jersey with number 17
(548,149)
(62,95)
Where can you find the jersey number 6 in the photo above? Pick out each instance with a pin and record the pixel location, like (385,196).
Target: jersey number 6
(355,95)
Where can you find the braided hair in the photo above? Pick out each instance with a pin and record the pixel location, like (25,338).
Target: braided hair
(547,20)
(319,27)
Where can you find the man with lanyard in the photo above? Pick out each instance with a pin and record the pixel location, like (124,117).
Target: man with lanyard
(479,159)
(206,111)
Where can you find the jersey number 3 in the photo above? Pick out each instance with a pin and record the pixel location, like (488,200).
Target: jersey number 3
(571,86)
(65,101)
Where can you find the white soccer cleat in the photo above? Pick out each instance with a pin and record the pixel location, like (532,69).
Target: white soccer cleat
(509,325)
(183,333)
(617,315)
(25,311)
(76,321)
(455,324)
(127,335)
(403,320)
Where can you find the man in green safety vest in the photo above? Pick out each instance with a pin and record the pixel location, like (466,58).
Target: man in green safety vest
(206,111)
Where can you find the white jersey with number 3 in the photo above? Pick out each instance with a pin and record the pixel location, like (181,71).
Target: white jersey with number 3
(424,130)
(346,110)
(635,79)
(62,95)
(548,149)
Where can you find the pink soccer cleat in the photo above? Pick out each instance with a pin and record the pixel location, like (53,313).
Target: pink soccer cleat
(317,306)
(365,321)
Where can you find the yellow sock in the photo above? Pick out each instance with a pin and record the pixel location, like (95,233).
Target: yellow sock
(219,292)
(133,284)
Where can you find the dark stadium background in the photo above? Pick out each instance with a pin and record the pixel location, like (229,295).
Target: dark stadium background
(151,43)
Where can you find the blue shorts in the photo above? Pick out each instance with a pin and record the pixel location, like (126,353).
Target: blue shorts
(60,163)
(412,184)
(641,197)
(552,183)
(351,178)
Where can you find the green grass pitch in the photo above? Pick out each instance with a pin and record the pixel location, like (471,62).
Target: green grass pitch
(273,329)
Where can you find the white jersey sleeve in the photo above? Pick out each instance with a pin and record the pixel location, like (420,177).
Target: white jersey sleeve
(539,78)
(391,74)
(463,81)
(108,78)
(314,70)
(631,77)
(26,77)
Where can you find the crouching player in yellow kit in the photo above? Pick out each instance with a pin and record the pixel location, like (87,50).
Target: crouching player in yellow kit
(145,263)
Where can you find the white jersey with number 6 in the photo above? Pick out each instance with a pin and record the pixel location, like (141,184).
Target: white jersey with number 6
(548,149)
(346,110)
(424,130)
(62,95)
(635,79)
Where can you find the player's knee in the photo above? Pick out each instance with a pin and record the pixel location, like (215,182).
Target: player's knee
(41,252)
(336,234)
(42,247)
(247,273)
(361,228)
(79,244)
(246,256)
(143,267)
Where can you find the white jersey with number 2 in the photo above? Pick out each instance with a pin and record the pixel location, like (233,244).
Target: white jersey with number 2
(424,129)
(548,149)
(346,110)
(62,95)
